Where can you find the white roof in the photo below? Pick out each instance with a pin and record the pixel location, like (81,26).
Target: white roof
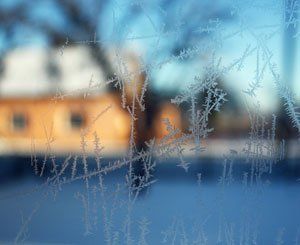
(78,69)
(26,72)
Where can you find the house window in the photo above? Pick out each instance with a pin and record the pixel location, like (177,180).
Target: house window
(19,121)
(77,120)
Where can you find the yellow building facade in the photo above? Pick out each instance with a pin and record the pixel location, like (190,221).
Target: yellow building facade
(45,124)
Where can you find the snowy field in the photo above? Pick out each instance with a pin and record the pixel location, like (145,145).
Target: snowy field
(177,208)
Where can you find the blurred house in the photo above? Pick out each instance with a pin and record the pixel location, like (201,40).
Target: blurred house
(52,100)
(34,118)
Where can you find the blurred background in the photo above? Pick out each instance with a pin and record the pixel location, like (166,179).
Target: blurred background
(62,62)
(57,56)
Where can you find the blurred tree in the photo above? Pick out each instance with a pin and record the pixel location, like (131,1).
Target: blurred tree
(52,23)
(101,22)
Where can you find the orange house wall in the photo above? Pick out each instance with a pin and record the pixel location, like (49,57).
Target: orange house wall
(49,131)
(48,127)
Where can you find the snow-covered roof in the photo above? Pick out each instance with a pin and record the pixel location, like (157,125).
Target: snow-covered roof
(77,69)
(26,71)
